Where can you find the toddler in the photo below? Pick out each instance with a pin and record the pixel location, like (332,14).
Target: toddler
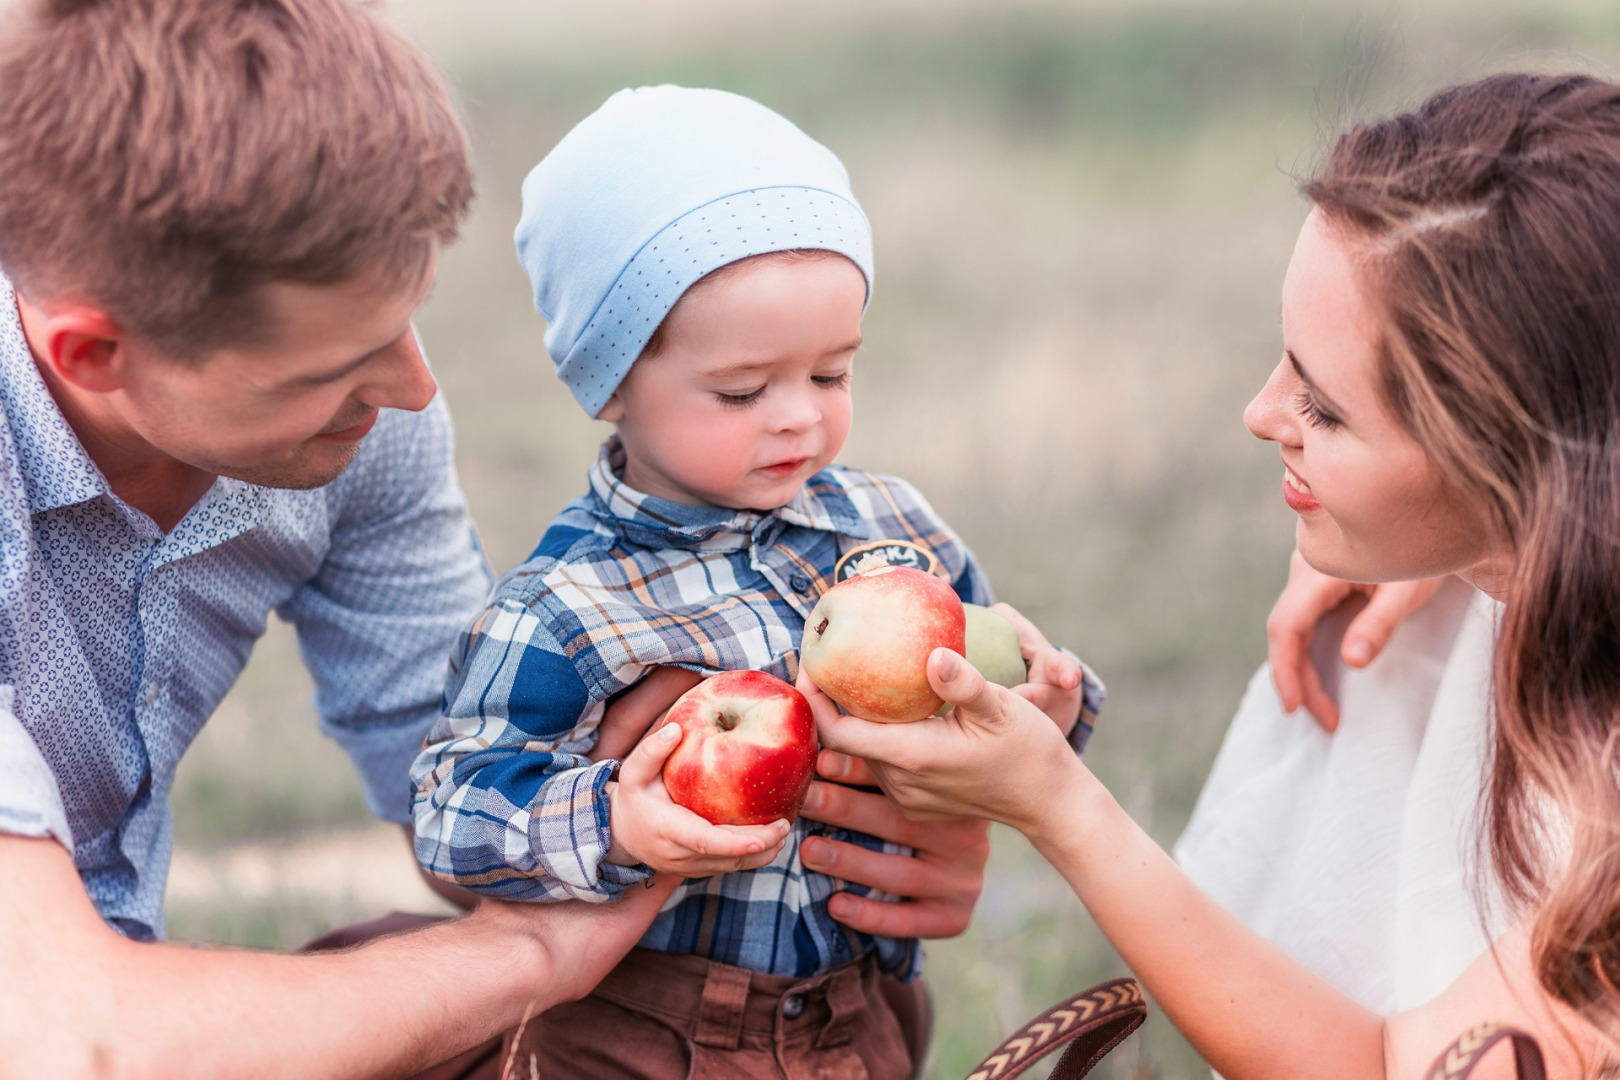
(703,268)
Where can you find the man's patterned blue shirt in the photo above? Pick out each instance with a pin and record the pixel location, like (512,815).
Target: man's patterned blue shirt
(117,641)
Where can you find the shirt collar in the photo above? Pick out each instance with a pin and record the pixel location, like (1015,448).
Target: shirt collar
(56,469)
(650,521)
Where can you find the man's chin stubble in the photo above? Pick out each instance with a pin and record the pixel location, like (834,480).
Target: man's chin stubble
(303,476)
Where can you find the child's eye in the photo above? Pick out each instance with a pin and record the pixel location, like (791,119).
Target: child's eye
(831,382)
(1313,413)
(740,401)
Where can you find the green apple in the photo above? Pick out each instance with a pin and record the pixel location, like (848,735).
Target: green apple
(992,648)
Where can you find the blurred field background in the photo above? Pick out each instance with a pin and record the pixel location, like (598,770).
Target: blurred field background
(1083,211)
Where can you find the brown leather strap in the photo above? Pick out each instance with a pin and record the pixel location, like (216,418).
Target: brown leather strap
(1461,1056)
(1090,1024)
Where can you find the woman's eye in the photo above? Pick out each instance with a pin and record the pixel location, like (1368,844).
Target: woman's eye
(1313,413)
(831,382)
(738,401)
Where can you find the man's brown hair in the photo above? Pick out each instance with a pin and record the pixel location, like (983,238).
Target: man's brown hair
(165,159)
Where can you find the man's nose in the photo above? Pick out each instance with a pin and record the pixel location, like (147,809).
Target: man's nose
(403,380)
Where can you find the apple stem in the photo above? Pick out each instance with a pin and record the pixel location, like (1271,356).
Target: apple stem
(821,627)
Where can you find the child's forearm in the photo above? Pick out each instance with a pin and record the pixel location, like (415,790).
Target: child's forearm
(1251,1011)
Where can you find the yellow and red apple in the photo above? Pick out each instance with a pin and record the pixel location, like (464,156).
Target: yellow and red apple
(747,751)
(867,642)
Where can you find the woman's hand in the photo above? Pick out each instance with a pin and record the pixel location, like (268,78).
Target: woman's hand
(1311,594)
(996,755)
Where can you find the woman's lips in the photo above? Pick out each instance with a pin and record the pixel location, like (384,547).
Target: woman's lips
(1297,493)
(352,433)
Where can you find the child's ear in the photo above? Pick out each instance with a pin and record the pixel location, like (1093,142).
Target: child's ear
(613,411)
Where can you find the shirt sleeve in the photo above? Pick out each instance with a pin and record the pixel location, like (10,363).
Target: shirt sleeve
(30,801)
(506,801)
(402,576)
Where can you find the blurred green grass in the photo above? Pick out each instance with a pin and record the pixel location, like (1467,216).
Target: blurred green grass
(1082,214)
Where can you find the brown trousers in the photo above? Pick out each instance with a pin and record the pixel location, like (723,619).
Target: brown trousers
(665,1016)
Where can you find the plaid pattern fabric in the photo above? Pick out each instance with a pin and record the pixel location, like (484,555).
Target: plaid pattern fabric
(506,801)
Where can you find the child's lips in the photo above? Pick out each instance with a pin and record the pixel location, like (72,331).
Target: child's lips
(785,468)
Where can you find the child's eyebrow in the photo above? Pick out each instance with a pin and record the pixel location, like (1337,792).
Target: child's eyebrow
(748,367)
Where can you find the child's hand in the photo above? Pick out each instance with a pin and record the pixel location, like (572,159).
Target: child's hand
(649,827)
(1054,676)
(1291,626)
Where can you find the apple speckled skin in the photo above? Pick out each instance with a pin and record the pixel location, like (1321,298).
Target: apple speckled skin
(747,752)
(867,643)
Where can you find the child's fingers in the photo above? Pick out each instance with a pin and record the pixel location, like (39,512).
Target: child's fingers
(646,761)
(1056,667)
(684,830)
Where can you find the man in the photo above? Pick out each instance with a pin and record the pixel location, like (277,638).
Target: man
(216,220)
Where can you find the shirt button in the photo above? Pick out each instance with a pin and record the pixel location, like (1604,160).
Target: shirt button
(153,692)
(800,583)
(793,1006)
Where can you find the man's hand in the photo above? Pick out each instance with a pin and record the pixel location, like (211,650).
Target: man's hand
(1054,676)
(941,882)
(633,713)
(649,827)
(1308,596)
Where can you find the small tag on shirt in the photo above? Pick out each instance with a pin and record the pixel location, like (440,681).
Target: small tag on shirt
(886,553)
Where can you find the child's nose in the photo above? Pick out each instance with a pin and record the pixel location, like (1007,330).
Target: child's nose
(795,411)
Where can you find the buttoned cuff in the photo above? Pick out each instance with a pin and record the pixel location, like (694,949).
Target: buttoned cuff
(1092,695)
(570,835)
(30,800)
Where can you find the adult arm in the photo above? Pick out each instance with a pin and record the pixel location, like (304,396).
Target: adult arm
(1249,1009)
(80,1000)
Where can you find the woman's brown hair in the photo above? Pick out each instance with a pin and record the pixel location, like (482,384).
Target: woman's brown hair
(1489,223)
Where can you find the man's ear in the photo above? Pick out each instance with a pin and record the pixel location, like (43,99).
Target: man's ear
(613,411)
(82,344)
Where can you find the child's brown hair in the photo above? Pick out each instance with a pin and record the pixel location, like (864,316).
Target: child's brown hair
(165,159)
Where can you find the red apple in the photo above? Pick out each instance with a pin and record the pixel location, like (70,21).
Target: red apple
(747,752)
(867,643)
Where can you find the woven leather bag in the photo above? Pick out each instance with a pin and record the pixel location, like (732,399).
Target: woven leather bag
(1461,1056)
(1092,1023)
(1089,1025)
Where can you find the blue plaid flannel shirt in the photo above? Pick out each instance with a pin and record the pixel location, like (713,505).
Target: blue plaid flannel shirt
(508,804)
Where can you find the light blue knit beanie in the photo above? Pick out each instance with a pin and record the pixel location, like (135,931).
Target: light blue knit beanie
(652,191)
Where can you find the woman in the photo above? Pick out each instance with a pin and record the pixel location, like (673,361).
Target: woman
(1448,402)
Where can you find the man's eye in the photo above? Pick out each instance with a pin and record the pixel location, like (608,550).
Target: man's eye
(738,401)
